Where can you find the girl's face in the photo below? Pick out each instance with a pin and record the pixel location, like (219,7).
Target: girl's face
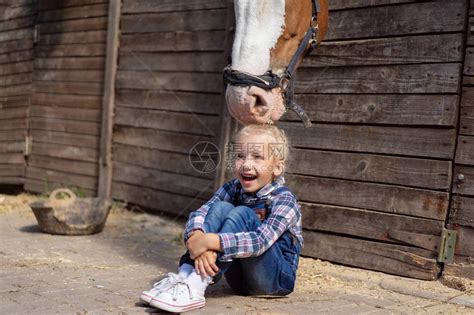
(256,161)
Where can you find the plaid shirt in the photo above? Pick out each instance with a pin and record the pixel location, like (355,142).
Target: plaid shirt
(285,215)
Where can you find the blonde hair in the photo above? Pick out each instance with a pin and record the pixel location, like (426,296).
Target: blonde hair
(280,147)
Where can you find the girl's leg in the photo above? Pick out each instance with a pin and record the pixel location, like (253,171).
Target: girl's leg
(273,272)
(212,224)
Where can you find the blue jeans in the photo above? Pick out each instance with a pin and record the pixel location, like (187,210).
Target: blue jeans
(272,273)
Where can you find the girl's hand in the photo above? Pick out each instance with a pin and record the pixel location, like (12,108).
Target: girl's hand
(205,264)
(196,244)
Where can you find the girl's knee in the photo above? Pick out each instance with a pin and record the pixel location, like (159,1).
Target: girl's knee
(240,212)
(222,207)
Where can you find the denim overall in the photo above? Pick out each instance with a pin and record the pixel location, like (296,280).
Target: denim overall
(273,272)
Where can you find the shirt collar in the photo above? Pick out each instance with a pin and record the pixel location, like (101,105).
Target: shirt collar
(268,188)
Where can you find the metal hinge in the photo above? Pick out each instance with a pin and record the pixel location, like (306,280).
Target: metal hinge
(447,245)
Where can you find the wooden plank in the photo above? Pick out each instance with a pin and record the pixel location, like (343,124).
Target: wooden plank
(79,63)
(154,159)
(465,150)
(16,56)
(13,113)
(11,180)
(179,81)
(106,135)
(67,179)
(151,6)
(179,122)
(14,35)
(14,24)
(15,101)
(423,78)
(12,158)
(385,198)
(77,114)
(392,50)
(421,142)
(18,12)
(54,4)
(462,211)
(163,181)
(464,240)
(370,224)
(70,50)
(65,152)
(45,187)
(173,41)
(392,259)
(461,267)
(467,112)
(415,18)
(157,139)
(64,100)
(47,136)
(183,61)
(15,90)
(12,147)
(383,109)
(154,199)
(201,20)
(69,75)
(81,12)
(422,173)
(63,125)
(87,24)
(13,135)
(16,45)
(201,103)
(345,4)
(469,61)
(12,170)
(17,67)
(14,124)
(89,37)
(63,166)
(15,79)
(463,180)
(69,88)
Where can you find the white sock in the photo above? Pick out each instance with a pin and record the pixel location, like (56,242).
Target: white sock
(184,270)
(197,282)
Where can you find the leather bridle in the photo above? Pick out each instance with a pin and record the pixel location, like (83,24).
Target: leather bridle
(285,81)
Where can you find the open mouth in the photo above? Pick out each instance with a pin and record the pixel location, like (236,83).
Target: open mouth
(247,178)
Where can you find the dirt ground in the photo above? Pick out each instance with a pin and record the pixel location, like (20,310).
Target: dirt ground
(104,273)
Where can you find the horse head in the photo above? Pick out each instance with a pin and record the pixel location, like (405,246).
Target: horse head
(271,39)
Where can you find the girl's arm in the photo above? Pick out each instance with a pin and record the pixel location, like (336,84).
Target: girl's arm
(284,213)
(196,218)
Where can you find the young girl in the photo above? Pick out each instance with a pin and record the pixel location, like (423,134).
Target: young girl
(250,230)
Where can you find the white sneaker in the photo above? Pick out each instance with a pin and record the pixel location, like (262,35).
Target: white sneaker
(159,286)
(181,297)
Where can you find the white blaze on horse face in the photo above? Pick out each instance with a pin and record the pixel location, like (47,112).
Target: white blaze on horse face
(259,25)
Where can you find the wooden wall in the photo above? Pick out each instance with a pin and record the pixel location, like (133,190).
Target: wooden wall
(16,63)
(168,98)
(374,172)
(461,217)
(67,95)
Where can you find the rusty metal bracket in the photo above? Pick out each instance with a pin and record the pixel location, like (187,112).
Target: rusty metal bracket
(447,246)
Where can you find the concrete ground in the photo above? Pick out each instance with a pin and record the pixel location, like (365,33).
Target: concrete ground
(105,273)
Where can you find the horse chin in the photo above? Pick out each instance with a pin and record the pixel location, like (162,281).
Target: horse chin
(254,105)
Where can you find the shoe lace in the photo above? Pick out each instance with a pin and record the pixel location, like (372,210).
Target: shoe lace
(176,289)
(167,282)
